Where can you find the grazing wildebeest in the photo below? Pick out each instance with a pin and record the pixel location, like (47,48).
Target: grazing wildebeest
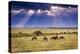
(54,38)
(34,38)
(61,37)
(45,38)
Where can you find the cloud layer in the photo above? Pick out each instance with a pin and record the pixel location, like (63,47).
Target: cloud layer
(55,12)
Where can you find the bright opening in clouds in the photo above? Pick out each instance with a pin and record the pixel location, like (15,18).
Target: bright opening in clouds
(43,15)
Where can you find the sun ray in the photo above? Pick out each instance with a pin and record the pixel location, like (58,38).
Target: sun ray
(25,19)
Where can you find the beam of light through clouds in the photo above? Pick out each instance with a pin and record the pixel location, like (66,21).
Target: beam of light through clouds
(40,16)
(25,19)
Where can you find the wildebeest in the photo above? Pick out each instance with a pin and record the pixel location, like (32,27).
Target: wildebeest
(61,37)
(54,38)
(45,38)
(34,38)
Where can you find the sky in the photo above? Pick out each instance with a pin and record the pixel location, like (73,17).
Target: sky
(28,14)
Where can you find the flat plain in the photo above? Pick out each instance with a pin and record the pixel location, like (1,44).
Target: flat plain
(21,40)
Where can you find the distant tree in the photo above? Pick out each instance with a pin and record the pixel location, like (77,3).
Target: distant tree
(64,32)
(37,33)
(74,32)
(20,32)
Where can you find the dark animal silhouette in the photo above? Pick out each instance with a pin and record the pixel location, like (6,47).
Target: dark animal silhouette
(54,38)
(45,38)
(61,37)
(34,38)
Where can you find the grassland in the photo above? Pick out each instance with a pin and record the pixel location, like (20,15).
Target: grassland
(25,44)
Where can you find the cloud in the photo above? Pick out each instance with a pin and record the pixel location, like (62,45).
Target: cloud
(15,12)
(70,9)
(39,11)
(56,10)
(31,12)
